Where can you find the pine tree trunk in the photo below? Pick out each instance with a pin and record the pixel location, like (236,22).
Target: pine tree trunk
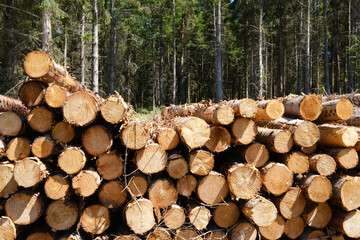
(326,56)
(174,54)
(219,94)
(46,28)
(95,50)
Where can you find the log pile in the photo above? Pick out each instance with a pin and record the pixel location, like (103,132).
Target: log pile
(77,166)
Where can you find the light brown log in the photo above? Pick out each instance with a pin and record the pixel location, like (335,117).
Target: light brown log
(275,230)
(322,164)
(7,228)
(18,148)
(109,166)
(72,160)
(260,210)
(96,140)
(40,119)
(168,138)
(63,132)
(337,136)
(55,96)
(336,110)
(151,159)
(114,109)
(243,130)
(134,136)
(269,110)
(159,234)
(177,166)
(226,215)
(346,222)
(216,235)
(297,162)
(245,107)
(317,215)
(86,182)
(30,172)
(8,185)
(186,234)
(137,186)
(216,114)
(194,132)
(213,188)
(56,187)
(139,215)
(201,162)
(306,107)
(11,124)
(276,178)
(256,154)
(40,236)
(346,158)
(312,234)
(8,104)
(186,185)
(309,150)
(244,181)
(174,217)
(292,204)
(31,93)
(316,188)
(71,236)
(276,140)
(127,237)
(294,227)
(220,139)
(162,193)
(42,147)
(95,219)
(61,215)
(346,192)
(24,208)
(199,217)
(112,194)
(243,231)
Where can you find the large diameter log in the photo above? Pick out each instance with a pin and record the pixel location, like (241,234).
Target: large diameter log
(40,119)
(42,147)
(306,107)
(29,172)
(276,140)
(24,208)
(194,132)
(245,108)
(8,185)
(7,228)
(32,93)
(297,162)
(317,215)
(294,227)
(323,164)
(109,166)
(199,216)
(95,219)
(243,130)
(243,231)
(151,159)
(18,148)
(256,154)
(138,186)
(134,136)
(139,215)
(162,193)
(114,109)
(220,139)
(8,104)
(346,222)
(63,132)
(292,204)
(186,185)
(213,188)
(56,187)
(174,217)
(72,160)
(177,166)
(275,230)
(168,138)
(317,188)
(336,110)
(346,158)
(96,140)
(112,194)
(61,215)
(86,182)
(10,124)
(226,215)
(346,192)
(276,178)
(201,162)
(337,136)
(55,96)
(159,233)
(186,234)
(269,110)
(260,210)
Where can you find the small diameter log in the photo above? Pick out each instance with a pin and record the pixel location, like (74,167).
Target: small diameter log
(162,193)
(336,110)
(174,217)
(61,215)
(309,150)
(63,132)
(317,215)
(10,124)
(186,185)
(292,204)
(201,162)
(95,219)
(24,208)
(55,96)
(297,162)
(256,154)
(199,216)
(244,181)
(260,210)
(109,166)
(186,234)
(276,178)
(7,228)
(269,110)
(56,187)
(8,104)
(275,230)
(72,160)
(86,182)
(294,227)
(216,114)
(40,119)
(194,132)
(18,148)
(159,233)
(96,140)
(134,136)
(137,186)
(346,158)
(32,93)
(226,215)
(245,107)
(177,166)
(216,235)
(243,130)
(346,192)
(322,164)
(29,172)
(220,139)
(346,222)
(151,159)
(306,107)
(213,188)
(139,215)
(8,185)
(40,236)
(168,138)
(112,194)
(114,109)
(316,188)
(276,140)
(243,231)
(42,147)
(337,136)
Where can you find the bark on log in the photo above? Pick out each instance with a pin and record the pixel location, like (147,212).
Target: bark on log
(61,215)
(40,119)
(96,140)
(294,227)
(275,230)
(269,110)
(346,158)
(226,215)
(297,162)
(109,166)
(162,193)
(346,222)
(337,136)
(201,162)
(72,160)
(86,182)
(55,96)
(317,215)
(31,93)
(18,148)
(11,124)
(112,194)
(336,110)
(213,188)
(245,107)
(243,130)
(322,164)
(276,178)
(177,166)
(63,132)
(186,185)
(114,109)
(134,136)
(56,187)
(8,185)
(42,147)
(346,192)
(306,107)
(243,231)
(168,138)
(186,234)
(159,233)
(276,140)
(29,172)
(316,188)
(7,228)
(199,216)
(220,139)
(260,210)
(174,217)
(193,131)
(151,159)
(139,215)
(95,219)
(137,186)
(292,204)
(8,104)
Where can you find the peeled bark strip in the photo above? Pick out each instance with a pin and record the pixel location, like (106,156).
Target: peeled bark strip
(226,215)
(134,135)
(193,131)
(336,110)
(244,181)
(260,210)
(243,130)
(96,140)
(32,93)
(337,136)
(95,219)
(61,215)
(7,228)
(10,124)
(109,166)
(162,193)
(186,185)
(269,110)
(8,104)
(151,159)
(317,188)
(294,227)
(276,178)
(177,166)
(24,208)
(17,148)
(317,215)
(213,188)
(86,182)
(40,119)
(137,186)
(275,230)
(159,233)
(29,172)
(114,109)
(174,217)
(200,217)
(346,158)
(55,96)
(72,160)
(256,154)
(139,215)
(56,187)
(168,138)
(112,194)
(346,222)
(220,139)
(323,164)
(40,235)
(297,162)
(245,108)
(42,147)
(346,192)
(292,204)
(201,162)
(243,231)
(276,140)
(306,107)
(8,185)
(63,132)
(187,234)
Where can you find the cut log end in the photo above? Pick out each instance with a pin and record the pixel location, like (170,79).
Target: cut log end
(109,166)
(297,162)
(246,107)
(186,185)
(112,194)
(224,115)
(36,64)
(151,159)
(96,140)
(7,228)
(29,172)
(10,124)
(72,160)
(337,136)
(137,186)
(63,132)
(113,109)
(260,210)
(292,204)
(213,188)
(139,216)
(55,96)
(56,187)
(323,164)
(318,188)
(243,231)
(32,93)
(294,227)
(220,139)
(95,219)
(18,148)
(177,166)
(317,215)
(174,217)
(270,110)
(40,235)
(276,140)
(159,233)
(226,215)
(42,147)
(256,155)
(275,230)
(347,222)
(199,217)
(276,177)
(346,192)
(182,234)
(40,119)
(168,138)
(162,193)
(201,162)
(243,130)
(310,107)
(194,131)
(134,136)
(8,185)
(306,134)
(61,215)
(86,183)
(344,109)
(216,235)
